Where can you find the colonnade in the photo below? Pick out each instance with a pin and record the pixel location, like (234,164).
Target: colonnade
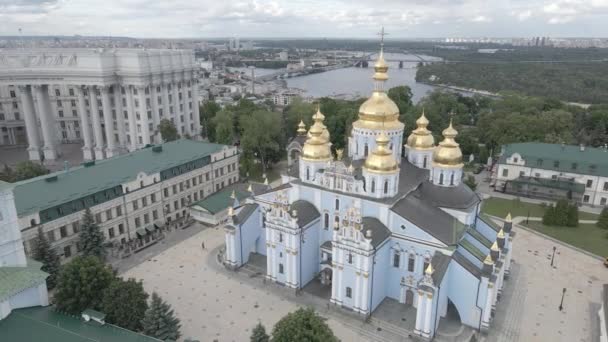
(112,124)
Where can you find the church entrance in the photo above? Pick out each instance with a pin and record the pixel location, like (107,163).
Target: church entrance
(409,297)
(326,276)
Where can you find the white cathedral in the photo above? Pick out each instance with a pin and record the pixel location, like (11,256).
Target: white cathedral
(373,225)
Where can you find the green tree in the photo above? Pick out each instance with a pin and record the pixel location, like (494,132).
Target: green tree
(549,216)
(224,127)
(22,171)
(168,131)
(43,252)
(562,207)
(258,334)
(125,303)
(207,112)
(402,96)
(81,283)
(302,325)
(602,220)
(91,237)
(572,219)
(470,182)
(160,321)
(296,111)
(262,137)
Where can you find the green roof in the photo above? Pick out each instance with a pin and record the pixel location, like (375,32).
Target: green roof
(550,183)
(46,324)
(471,248)
(50,190)
(479,237)
(569,158)
(221,200)
(15,279)
(489,221)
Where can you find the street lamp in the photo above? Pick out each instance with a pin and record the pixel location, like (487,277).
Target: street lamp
(553,256)
(561,305)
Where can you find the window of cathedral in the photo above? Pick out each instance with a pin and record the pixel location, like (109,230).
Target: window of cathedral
(441,178)
(280,237)
(373,186)
(337,221)
(307,173)
(337,204)
(396,259)
(452,179)
(349,292)
(281,268)
(366,150)
(386,187)
(411,263)
(424,162)
(350,258)
(326,221)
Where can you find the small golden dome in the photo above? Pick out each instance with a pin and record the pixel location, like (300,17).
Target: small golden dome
(429,270)
(448,153)
(319,117)
(421,138)
(317,147)
(381,160)
(501,234)
(508,218)
(301,128)
(494,247)
(488,260)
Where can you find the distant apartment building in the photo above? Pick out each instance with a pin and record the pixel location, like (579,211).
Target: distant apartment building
(284,98)
(130,196)
(112,100)
(554,171)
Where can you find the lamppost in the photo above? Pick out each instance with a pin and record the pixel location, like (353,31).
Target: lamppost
(528,217)
(553,256)
(561,305)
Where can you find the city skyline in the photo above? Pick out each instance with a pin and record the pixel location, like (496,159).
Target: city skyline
(306,19)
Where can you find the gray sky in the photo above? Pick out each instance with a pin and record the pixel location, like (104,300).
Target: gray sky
(312,18)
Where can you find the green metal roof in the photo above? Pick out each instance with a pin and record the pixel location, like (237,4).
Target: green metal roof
(466,244)
(221,200)
(46,324)
(569,158)
(479,237)
(50,190)
(16,279)
(550,183)
(489,221)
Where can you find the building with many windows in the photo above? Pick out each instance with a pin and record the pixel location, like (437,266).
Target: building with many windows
(369,230)
(112,100)
(554,171)
(130,196)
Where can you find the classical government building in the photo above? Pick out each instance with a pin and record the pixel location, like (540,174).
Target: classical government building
(369,226)
(554,171)
(112,100)
(131,196)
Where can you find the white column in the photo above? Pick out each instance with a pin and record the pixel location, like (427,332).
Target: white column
(84,124)
(294,267)
(176,113)
(108,122)
(268,259)
(420,313)
(47,120)
(427,314)
(143,115)
(96,123)
(155,115)
(488,307)
(365,295)
(131,115)
(196,110)
(164,90)
(186,111)
(31,125)
(120,118)
(275,264)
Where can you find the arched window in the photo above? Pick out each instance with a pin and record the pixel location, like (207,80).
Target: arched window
(386,187)
(337,222)
(452,179)
(391,146)
(307,173)
(337,204)
(363,184)
(424,162)
(326,221)
(373,186)
(141,184)
(441,178)
(411,263)
(366,150)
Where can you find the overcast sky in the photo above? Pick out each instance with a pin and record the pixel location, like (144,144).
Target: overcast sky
(311,18)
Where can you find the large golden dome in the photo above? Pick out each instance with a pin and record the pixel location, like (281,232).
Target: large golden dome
(379,112)
(317,147)
(381,160)
(448,153)
(421,138)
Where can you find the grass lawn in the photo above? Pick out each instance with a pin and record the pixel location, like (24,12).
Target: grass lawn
(586,236)
(500,207)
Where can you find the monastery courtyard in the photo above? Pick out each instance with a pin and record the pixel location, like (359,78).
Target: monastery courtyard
(217,304)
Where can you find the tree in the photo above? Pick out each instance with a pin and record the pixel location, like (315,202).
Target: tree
(22,171)
(602,220)
(125,303)
(208,111)
(297,111)
(302,325)
(562,207)
(549,216)
(262,136)
(259,334)
(43,252)
(91,237)
(159,320)
(81,283)
(224,127)
(402,96)
(470,182)
(168,131)
(572,218)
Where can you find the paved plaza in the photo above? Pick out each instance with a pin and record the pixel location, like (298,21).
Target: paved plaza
(216,304)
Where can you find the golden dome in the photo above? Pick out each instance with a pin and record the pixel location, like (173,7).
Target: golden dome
(488,260)
(421,138)
(301,128)
(317,147)
(381,160)
(448,153)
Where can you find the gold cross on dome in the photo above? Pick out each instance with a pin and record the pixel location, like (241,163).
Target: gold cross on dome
(382,33)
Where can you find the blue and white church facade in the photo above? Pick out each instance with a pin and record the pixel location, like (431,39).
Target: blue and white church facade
(369,224)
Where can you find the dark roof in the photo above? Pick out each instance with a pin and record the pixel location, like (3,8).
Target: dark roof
(440,264)
(457,197)
(243,212)
(327,244)
(298,139)
(269,189)
(379,231)
(550,183)
(570,158)
(432,220)
(467,264)
(46,324)
(306,212)
(221,200)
